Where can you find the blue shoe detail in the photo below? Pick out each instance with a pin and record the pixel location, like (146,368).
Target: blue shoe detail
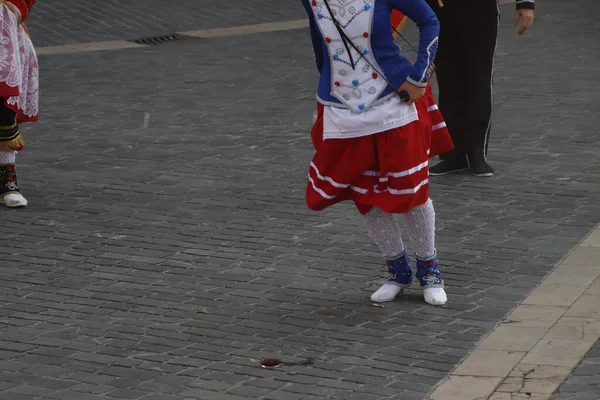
(428,274)
(400,271)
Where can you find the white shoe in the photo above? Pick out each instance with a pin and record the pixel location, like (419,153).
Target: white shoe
(435,296)
(388,292)
(14,200)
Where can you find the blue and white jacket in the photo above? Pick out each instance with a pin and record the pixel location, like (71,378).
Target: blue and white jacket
(347,79)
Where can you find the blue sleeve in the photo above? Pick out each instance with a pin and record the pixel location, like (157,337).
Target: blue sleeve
(315,35)
(429,30)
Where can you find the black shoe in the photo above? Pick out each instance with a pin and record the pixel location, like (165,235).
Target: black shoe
(478,165)
(448,166)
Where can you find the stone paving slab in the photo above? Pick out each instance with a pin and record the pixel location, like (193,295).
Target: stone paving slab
(584,383)
(167,245)
(58,22)
(537,346)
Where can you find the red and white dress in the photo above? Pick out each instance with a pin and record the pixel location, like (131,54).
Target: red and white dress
(389,169)
(372,148)
(19,70)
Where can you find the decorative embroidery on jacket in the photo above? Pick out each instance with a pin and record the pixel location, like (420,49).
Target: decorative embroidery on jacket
(353,80)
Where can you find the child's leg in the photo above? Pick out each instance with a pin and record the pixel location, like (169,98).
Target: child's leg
(7,157)
(385,231)
(9,188)
(9,138)
(420,223)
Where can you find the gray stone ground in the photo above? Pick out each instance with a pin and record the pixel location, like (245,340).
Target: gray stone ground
(161,262)
(72,21)
(584,384)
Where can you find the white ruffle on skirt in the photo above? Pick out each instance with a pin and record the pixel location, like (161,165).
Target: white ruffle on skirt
(19,70)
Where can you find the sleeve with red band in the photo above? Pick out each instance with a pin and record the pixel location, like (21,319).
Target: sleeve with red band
(24,6)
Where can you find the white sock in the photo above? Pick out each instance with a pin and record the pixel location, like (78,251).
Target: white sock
(387,292)
(436,296)
(8,157)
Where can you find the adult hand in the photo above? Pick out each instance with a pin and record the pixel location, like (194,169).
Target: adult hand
(414,92)
(525,16)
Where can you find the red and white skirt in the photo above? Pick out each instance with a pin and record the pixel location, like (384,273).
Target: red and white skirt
(389,169)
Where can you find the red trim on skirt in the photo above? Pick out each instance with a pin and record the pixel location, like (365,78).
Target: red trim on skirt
(21,117)
(389,170)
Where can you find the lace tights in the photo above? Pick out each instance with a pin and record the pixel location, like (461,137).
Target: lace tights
(7,157)
(385,231)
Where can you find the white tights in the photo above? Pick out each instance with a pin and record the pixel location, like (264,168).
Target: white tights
(7,157)
(385,231)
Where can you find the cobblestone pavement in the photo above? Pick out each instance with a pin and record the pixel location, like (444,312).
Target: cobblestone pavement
(584,384)
(167,245)
(56,22)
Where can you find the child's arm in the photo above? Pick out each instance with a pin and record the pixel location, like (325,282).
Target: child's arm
(429,28)
(317,41)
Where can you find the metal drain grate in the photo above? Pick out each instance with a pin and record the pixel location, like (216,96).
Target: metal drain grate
(154,40)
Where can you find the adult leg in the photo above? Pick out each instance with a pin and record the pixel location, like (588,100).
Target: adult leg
(450,63)
(483,34)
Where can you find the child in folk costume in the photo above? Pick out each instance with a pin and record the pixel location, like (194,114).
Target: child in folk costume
(19,92)
(377,126)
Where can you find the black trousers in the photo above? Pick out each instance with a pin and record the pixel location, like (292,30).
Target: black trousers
(464,67)
(9,130)
(7,116)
